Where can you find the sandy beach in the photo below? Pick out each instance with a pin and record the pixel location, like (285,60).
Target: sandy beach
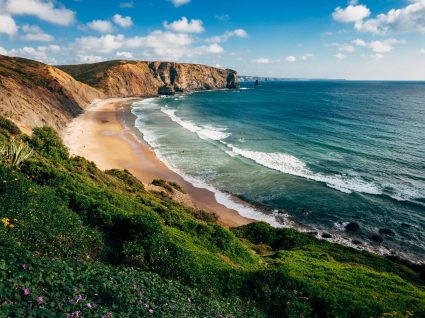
(100,134)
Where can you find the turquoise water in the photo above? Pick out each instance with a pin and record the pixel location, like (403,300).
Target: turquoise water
(309,154)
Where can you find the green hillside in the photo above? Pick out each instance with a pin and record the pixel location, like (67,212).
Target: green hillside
(80,242)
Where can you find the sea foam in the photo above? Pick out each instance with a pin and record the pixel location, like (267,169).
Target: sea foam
(204,132)
(291,165)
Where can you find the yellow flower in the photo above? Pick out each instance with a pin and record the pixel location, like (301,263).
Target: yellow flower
(5,221)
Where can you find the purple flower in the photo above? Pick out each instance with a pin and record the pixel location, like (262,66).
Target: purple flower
(107,315)
(40,300)
(24,267)
(27,292)
(71,301)
(151,310)
(17,287)
(79,297)
(146,305)
(74,314)
(89,305)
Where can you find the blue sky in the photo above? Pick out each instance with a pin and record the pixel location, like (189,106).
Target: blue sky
(300,38)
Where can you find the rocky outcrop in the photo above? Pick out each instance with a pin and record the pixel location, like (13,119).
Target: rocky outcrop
(35,94)
(131,78)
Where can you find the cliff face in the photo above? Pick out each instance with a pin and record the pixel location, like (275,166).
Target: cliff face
(129,79)
(34,94)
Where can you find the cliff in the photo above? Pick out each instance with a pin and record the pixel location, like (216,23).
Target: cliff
(35,94)
(131,78)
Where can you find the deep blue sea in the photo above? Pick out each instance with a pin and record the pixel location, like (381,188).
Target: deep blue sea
(309,154)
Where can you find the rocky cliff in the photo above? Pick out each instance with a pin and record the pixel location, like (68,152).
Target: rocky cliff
(35,94)
(130,78)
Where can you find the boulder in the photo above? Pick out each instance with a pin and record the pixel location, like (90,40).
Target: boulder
(232,79)
(166,90)
(326,235)
(352,227)
(377,238)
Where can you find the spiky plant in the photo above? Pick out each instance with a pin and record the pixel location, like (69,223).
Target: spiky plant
(3,151)
(17,152)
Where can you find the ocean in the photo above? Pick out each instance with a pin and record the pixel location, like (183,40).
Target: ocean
(314,155)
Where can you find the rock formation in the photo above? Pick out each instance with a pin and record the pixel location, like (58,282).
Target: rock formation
(131,78)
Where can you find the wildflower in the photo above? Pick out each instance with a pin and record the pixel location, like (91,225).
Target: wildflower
(17,287)
(151,310)
(189,300)
(5,221)
(79,297)
(24,267)
(70,301)
(90,306)
(40,300)
(27,292)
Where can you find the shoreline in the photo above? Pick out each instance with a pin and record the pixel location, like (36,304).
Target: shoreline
(100,134)
(103,134)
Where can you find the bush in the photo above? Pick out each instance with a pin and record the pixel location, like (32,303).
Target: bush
(47,142)
(9,126)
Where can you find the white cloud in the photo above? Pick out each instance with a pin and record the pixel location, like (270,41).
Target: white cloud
(178,3)
(212,48)
(352,13)
(101,26)
(40,53)
(45,10)
(264,60)
(410,18)
(346,48)
(240,33)
(422,51)
(359,42)
(306,56)
(383,46)
(3,51)
(34,33)
(291,59)
(90,58)
(340,56)
(185,26)
(7,25)
(124,22)
(126,55)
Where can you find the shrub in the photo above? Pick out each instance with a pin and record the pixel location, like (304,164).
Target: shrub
(47,142)
(9,126)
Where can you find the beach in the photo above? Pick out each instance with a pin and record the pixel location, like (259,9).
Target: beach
(101,135)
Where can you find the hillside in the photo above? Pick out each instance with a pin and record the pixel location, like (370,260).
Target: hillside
(76,241)
(34,94)
(131,78)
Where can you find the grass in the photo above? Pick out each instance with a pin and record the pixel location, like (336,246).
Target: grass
(100,234)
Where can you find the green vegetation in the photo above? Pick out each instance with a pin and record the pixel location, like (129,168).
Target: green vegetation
(79,242)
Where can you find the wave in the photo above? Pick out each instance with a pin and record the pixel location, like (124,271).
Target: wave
(205,132)
(291,165)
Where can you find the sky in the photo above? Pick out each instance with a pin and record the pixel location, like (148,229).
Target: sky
(351,39)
